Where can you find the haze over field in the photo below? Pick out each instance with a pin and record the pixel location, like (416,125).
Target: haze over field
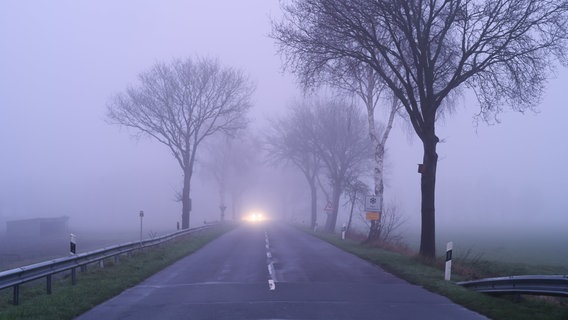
(61,61)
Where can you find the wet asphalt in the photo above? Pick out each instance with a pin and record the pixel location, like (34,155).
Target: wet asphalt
(274,271)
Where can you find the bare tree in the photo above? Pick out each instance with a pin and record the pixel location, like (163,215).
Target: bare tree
(182,103)
(244,160)
(343,146)
(289,141)
(218,164)
(425,51)
(389,229)
(355,191)
(361,80)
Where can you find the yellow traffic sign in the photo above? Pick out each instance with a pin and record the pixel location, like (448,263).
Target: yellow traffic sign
(373,216)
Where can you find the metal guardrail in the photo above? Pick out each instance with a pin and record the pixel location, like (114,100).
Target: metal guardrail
(15,277)
(529,284)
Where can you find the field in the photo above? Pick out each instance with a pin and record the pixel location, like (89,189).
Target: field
(96,284)
(544,248)
(430,275)
(20,251)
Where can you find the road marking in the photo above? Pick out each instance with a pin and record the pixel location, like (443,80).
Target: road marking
(270,262)
(272,280)
(267,245)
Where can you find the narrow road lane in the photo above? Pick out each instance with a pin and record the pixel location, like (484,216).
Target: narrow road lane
(273,271)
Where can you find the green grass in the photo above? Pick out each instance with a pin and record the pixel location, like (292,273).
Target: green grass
(431,276)
(99,284)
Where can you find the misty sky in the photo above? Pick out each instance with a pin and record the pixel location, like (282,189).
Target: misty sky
(60,61)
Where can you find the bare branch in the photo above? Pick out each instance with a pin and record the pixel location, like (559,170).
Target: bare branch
(182,103)
(425,51)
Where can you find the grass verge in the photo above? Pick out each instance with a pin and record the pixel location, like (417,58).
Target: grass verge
(100,284)
(431,277)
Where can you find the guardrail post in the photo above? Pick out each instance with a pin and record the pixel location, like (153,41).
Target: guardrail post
(84,268)
(16,299)
(102,263)
(48,285)
(73,276)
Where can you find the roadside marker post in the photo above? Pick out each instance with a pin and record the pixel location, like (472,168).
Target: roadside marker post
(73,244)
(448,273)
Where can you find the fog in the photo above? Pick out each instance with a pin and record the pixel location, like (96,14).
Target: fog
(60,61)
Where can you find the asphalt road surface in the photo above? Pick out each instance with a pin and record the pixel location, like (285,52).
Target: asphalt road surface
(274,271)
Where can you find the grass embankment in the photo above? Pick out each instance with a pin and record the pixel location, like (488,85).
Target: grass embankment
(430,275)
(99,284)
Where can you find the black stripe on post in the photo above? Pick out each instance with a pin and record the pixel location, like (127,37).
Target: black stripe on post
(73,244)
(448,269)
(448,255)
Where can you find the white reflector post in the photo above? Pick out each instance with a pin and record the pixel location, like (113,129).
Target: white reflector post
(449,247)
(73,244)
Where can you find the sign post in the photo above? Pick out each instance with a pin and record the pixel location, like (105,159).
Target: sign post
(141,216)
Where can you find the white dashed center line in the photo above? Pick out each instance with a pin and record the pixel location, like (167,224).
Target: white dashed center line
(270,263)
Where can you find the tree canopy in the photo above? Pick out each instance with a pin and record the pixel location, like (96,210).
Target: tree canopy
(180,104)
(426,51)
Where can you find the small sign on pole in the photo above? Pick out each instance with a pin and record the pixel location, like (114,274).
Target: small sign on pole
(373,216)
(328,207)
(372,204)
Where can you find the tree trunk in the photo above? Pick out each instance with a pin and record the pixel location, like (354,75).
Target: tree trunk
(375,231)
(428,188)
(186,200)
(314,193)
(331,221)
(234,205)
(353,200)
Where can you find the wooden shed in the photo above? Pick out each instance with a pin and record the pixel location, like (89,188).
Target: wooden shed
(37,227)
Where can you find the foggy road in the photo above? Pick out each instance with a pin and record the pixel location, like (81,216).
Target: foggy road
(273,271)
